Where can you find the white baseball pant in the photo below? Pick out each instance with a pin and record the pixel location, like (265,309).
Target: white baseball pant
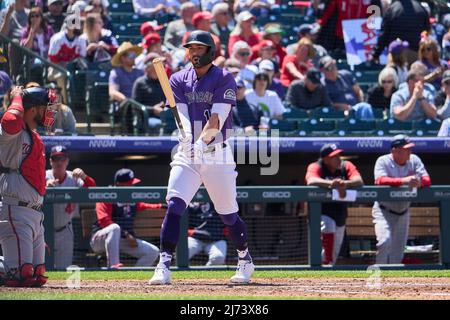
(216,251)
(392,234)
(328,225)
(63,247)
(217,173)
(108,240)
(21,236)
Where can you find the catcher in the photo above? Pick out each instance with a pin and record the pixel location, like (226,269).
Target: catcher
(22,186)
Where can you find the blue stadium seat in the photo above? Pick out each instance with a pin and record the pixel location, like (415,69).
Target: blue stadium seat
(295,113)
(168,122)
(121,7)
(426,127)
(286,127)
(316,127)
(327,113)
(392,126)
(355,127)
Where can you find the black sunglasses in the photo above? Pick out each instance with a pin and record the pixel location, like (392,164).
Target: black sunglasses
(58,158)
(386,81)
(447,82)
(244,54)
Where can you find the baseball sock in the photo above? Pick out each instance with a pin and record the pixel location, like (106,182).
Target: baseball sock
(238,234)
(328,244)
(170,230)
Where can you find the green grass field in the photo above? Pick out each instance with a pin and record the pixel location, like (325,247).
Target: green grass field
(79,294)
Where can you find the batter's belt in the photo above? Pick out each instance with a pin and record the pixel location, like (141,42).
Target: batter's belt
(392,211)
(16,202)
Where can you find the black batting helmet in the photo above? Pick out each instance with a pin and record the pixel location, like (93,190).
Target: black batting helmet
(203,38)
(36,96)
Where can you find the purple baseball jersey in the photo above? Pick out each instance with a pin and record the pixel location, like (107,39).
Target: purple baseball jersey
(216,86)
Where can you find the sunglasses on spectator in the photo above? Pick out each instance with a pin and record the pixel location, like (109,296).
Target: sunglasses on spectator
(386,81)
(244,54)
(447,82)
(427,49)
(131,55)
(58,158)
(331,67)
(35,15)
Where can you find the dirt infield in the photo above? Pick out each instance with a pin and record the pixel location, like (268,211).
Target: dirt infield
(387,288)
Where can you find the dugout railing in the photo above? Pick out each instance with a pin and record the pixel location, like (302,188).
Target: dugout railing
(314,196)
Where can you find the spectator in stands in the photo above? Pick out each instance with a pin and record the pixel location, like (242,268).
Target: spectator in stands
(429,55)
(308,93)
(233,66)
(152,8)
(268,67)
(444,112)
(5,83)
(379,96)
(152,43)
(206,233)
(36,36)
(399,168)
(421,69)
(150,27)
(309,31)
(176,29)
(343,90)
(55,15)
(446,38)
(101,45)
(404,19)
(245,116)
(260,8)
(208,5)
(124,74)
(12,21)
(413,102)
(97,6)
(59,177)
(202,21)
(114,230)
(65,47)
(244,31)
(274,33)
(295,66)
(220,26)
(397,59)
(241,53)
(331,172)
(266,100)
(147,90)
(342,10)
(265,50)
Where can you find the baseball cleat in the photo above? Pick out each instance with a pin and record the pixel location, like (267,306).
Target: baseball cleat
(244,271)
(161,276)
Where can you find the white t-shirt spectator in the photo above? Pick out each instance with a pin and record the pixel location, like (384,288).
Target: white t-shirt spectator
(270,103)
(444,131)
(62,50)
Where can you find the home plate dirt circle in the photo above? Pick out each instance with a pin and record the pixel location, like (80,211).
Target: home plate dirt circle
(385,288)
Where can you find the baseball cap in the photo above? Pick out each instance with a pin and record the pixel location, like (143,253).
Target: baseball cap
(244,16)
(59,151)
(397,46)
(272,28)
(149,26)
(266,65)
(152,55)
(126,176)
(446,21)
(329,150)
(313,75)
(49,2)
(401,141)
(150,39)
(446,76)
(325,62)
(202,15)
(240,83)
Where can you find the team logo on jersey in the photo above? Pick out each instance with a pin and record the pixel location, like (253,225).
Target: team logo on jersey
(230,95)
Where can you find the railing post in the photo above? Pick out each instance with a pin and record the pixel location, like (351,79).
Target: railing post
(444,241)
(182,247)
(49,235)
(314,241)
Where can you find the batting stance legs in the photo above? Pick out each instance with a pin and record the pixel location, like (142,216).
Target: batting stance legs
(220,182)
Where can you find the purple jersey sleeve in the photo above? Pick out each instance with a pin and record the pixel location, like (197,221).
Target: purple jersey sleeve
(226,91)
(177,85)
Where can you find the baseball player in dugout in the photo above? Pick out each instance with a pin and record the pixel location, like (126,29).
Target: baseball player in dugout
(22,186)
(330,171)
(57,177)
(114,230)
(204,95)
(399,168)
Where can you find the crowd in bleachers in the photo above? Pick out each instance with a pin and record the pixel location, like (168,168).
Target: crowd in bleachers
(288,59)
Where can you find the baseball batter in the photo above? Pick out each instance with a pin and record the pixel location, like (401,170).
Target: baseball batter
(22,186)
(399,168)
(63,213)
(204,96)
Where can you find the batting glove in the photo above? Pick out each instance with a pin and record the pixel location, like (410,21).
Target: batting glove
(199,149)
(186,144)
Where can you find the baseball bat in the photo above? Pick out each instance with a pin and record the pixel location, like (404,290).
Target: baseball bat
(165,85)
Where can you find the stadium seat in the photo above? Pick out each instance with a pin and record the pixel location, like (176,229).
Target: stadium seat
(378,113)
(168,122)
(286,127)
(355,127)
(120,7)
(316,127)
(392,126)
(327,113)
(426,127)
(295,113)
(97,96)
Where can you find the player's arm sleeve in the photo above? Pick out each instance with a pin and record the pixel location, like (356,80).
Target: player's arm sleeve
(225,91)
(12,120)
(382,177)
(313,171)
(104,214)
(88,182)
(141,206)
(184,117)
(421,171)
(223,111)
